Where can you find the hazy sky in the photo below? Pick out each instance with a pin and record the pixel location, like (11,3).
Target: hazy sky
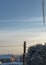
(21,20)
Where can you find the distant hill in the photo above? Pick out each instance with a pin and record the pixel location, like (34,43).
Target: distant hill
(6,56)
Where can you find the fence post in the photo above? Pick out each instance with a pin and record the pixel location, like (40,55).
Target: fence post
(24,54)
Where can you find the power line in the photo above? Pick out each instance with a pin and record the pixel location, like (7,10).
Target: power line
(12,46)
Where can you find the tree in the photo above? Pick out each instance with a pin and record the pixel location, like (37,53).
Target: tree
(36,55)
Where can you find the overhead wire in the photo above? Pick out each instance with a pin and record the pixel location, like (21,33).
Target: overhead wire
(12,46)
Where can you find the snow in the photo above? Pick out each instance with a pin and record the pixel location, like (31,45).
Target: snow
(12,63)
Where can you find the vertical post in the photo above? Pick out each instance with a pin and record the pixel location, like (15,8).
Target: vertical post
(24,54)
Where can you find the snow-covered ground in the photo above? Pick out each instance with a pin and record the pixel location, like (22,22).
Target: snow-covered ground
(12,63)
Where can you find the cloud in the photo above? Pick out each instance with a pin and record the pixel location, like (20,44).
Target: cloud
(22,35)
(32,19)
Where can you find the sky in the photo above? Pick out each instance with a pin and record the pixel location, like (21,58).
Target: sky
(21,20)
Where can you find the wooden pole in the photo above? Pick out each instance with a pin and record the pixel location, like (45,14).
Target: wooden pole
(24,54)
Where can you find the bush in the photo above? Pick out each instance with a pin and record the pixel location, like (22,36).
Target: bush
(36,55)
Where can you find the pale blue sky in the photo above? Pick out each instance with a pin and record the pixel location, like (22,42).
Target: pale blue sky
(13,14)
(19,9)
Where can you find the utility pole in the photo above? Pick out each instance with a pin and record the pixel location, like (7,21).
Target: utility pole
(24,54)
